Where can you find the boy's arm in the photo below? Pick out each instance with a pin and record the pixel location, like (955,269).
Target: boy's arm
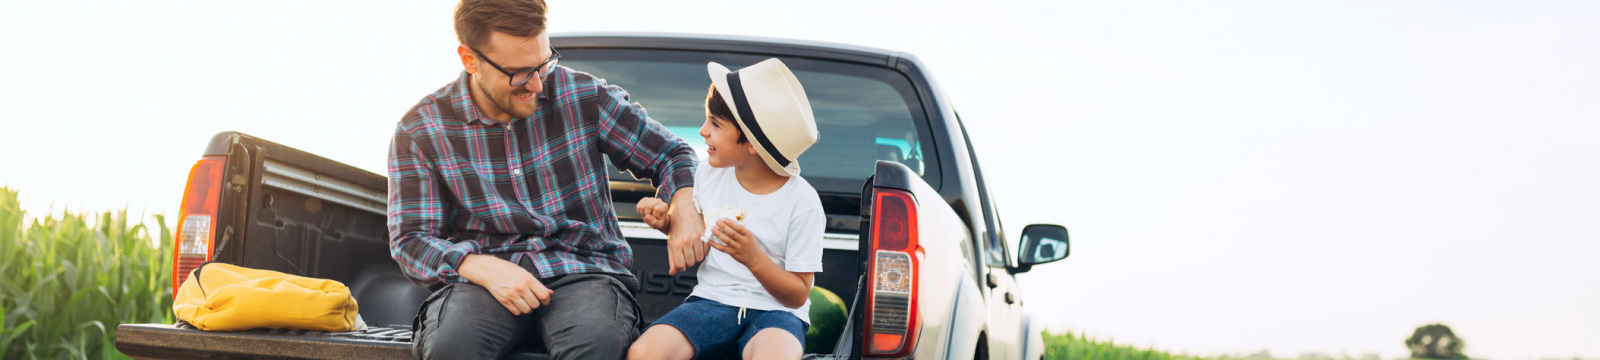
(790,288)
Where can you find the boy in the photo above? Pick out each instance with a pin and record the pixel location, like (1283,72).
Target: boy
(752,294)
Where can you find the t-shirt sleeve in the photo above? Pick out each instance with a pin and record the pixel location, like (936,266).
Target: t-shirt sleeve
(803,251)
(705,185)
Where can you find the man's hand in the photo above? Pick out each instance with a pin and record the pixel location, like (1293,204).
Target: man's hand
(510,284)
(654,213)
(684,248)
(737,242)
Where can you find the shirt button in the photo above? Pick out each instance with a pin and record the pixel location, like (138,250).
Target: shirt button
(516,171)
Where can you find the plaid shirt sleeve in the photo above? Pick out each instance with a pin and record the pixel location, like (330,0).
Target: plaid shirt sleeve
(417,215)
(641,145)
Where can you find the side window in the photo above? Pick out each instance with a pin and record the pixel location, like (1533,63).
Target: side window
(994,240)
(995,244)
(1003,247)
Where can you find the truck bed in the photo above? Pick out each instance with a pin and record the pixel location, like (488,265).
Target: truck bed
(300,213)
(155,341)
(659,293)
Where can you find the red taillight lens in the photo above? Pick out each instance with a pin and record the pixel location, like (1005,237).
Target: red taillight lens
(197,219)
(892,294)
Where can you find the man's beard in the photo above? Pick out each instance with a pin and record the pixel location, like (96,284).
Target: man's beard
(507,102)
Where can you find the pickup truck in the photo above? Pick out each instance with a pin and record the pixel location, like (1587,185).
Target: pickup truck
(913,244)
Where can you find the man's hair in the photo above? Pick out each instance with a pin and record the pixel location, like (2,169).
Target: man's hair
(476,19)
(719,108)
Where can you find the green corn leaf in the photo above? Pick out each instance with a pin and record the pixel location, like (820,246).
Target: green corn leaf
(68,279)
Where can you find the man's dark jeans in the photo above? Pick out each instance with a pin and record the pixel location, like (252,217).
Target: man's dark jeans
(590,316)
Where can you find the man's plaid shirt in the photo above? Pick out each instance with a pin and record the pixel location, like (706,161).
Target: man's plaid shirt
(536,188)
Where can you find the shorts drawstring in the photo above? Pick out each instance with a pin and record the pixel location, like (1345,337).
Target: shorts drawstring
(740,321)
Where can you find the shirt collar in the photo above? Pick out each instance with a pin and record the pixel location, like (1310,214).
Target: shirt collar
(463,96)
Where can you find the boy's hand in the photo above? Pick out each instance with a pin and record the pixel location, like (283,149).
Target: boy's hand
(654,212)
(737,242)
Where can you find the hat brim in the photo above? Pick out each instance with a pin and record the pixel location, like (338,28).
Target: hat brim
(719,78)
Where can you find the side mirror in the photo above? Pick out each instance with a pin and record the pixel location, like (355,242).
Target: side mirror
(1041,243)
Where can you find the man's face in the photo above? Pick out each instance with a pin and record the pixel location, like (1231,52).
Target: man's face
(513,54)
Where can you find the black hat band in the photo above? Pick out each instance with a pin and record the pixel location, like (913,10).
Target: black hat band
(736,90)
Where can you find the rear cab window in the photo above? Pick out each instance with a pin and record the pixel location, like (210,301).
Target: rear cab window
(863,113)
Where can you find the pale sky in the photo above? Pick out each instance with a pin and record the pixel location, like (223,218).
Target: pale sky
(1237,176)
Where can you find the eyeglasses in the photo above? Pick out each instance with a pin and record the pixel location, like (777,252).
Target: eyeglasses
(522,76)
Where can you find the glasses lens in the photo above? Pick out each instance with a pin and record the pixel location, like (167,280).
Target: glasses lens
(521,77)
(548,68)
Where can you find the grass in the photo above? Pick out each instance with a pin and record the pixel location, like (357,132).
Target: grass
(67,281)
(1081,347)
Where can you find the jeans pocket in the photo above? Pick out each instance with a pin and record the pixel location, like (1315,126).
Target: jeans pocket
(427,318)
(627,308)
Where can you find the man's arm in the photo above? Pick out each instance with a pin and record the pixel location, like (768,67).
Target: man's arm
(642,146)
(684,247)
(416,217)
(645,148)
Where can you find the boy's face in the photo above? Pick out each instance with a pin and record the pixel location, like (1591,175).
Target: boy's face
(722,142)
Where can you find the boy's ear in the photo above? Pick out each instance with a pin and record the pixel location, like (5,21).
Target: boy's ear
(751,148)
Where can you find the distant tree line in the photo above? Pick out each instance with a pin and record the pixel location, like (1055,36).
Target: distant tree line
(1435,341)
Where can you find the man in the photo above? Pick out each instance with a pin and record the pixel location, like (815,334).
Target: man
(499,205)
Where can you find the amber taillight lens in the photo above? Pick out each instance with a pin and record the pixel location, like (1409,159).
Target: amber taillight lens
(197,219)
(891,329)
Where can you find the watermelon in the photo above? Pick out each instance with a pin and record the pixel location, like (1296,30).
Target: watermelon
(828,315)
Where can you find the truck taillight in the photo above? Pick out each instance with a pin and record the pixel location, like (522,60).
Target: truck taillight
(197,219)
(892,294)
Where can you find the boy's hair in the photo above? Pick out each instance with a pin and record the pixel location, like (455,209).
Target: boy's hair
(719,108)
(476,19)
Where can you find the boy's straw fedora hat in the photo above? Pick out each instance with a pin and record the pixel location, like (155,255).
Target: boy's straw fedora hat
(771,107)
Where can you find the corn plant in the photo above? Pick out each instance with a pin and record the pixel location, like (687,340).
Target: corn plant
(66,282)
(1081,347)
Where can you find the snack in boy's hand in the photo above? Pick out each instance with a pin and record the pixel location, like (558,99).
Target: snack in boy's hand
(713,215)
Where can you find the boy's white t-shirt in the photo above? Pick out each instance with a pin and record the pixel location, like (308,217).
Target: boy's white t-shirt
(788,223)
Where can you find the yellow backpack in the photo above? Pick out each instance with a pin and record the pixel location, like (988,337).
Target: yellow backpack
(225,297)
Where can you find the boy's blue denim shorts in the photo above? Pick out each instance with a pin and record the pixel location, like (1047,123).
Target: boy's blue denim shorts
(713,327)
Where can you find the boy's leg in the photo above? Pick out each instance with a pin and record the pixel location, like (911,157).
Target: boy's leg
(661,342)
(463,321)
(590,316)
(771,344)
(773,335)
(710,329)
